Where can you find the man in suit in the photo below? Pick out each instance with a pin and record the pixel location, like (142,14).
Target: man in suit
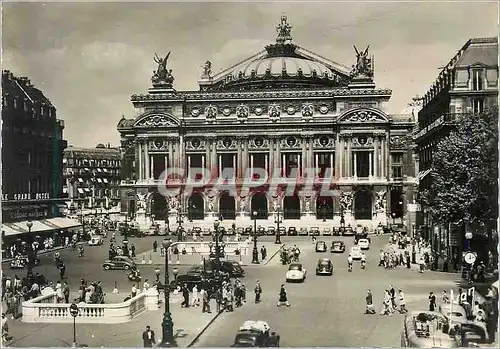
(148,337)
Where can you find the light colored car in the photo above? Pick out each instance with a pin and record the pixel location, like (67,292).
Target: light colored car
(96,240)
(364,244)
(296,272)
(355,252)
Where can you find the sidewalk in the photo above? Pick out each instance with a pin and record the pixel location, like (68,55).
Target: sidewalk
(188,323)
(42,252)
(155,258)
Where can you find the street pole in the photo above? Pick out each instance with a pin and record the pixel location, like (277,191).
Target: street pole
(278,221)
(255,252)
(167,325)
(74,332)
(30,253)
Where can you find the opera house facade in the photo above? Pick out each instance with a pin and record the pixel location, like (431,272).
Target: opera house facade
(319,126)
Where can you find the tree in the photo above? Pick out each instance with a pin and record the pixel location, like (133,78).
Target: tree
(464,186)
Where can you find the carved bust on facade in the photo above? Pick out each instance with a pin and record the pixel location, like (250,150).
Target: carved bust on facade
(243,205)
(141,201)
(307,110)
(242,111)
(380,200)
(210,112)
(274,111)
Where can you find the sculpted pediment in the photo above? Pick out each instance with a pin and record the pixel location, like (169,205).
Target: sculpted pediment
(157,120)
(363,115)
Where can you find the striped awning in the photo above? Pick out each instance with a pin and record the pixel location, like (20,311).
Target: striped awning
(61,222)
(99,180)
(99,169)
(105,180)
(80,180)
(87,189)
(80,190)
(424,173)
(105,170)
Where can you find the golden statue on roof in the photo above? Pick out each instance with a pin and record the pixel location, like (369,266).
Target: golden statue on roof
(284,29)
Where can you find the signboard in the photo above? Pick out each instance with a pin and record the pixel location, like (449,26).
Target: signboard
(73,309)
(414,208)
(26,196)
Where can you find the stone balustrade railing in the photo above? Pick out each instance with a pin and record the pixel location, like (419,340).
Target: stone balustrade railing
(45,309)
(204,247)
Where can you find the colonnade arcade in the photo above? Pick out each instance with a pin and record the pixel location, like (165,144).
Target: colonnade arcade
(362,203)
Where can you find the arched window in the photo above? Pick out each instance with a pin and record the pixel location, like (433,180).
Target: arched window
(363,203)
(196,207)
(291,207)
(324,207)
(227,207)
(259,205)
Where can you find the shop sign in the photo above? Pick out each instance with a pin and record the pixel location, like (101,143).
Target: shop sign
(19,215)
(29,196)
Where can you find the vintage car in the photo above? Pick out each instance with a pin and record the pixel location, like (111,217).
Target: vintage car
(292,231)
(207,232)
(261,231)
(197,231)
(364,244)
(271,230)
(355,252)
(427,329)
(336,231)
(324,267)
(96,240)
(458,314)
(303,231)
(327,232)
(248,230)
(348,231)
(314,231)
(253,334)
(321,246)
(337,247)
(20,263)
(282,230)
(119,263)
(296,272)
(230,231)
(198,276)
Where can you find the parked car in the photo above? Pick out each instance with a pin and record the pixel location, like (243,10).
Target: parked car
(282,230)
(261,231)
(303,232)
(207,232)
(355,252)
(197,276)
(119,263)
(240,231)
(321,246)
(96,240)
(292,231)
(336,231)
(337,247)
(324,267)
(248,230)
(314,231)
(296,272)
(348,231)
(232,268)
(197,231)
(364,244)
(271,230)
(230,231)
(327,232)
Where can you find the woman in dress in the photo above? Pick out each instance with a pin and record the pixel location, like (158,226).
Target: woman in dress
(283,297)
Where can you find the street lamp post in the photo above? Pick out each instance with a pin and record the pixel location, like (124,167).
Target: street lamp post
(255,252)
(167,340)
(30,251)
(393,218)
(468,238)
(402,211)
(278,221)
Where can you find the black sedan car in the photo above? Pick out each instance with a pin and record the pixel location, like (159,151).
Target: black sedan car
(119,263)
(292,231)
(321,246)
(314,231)
(248,230)
(261,231)
(324,267)
(271,230)
(337,247)
(303,232)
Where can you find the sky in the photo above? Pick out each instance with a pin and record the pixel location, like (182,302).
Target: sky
(89,58)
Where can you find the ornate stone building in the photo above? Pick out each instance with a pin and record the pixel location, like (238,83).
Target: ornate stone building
(284,110)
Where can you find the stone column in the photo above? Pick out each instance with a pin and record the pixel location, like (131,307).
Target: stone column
(376,160)
(147,175)
(270,164)
(303,164)
(370,164)
(244,160)
(277,159)
(182,160)
(266,158)
(332,168)
(151,166)
(219,164)
(166,163)
(215,165)
(139,144)
(171,162)
(188,170)
(354,165)
(208,155)
(349,159)
(339,150)
(239,159)
(234,166)
(311,151)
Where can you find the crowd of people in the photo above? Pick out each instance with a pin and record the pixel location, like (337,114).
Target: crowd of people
(389,303)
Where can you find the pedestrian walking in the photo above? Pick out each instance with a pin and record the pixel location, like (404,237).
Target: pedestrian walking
(421,262)
(369,303)
(258,292)
(59,292)
(148,337)
(444,297)
(145,286)
(382,258)
(392,292)
(402,302)
(155,246)
(263,252)
(283,299)
(66,292)
(185,295)
(134,291)
(432,301)
(195,298)
(132,250)
(205,297)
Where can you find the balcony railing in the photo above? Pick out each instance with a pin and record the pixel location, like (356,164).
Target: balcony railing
(449,118)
